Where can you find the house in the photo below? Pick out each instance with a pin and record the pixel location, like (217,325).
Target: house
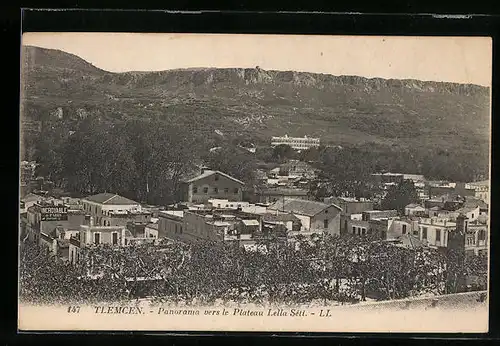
(297,143)
(403,227)
(472,213)
(170,224)
(454,189)
(45,218)
(414,209)
(434,231)
(482,189)
(469,237)
(212,185)
(96,235)
(110,208)
(296,169)
(350,205)
(151,229)
(314,216)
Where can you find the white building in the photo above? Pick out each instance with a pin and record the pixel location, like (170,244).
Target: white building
(297,143)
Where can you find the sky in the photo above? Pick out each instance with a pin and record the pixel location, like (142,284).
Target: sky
(443,59)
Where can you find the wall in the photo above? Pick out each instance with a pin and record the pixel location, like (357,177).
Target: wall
(332,214)
(432,239)
(87,235)
(122,220)
(151,232)
(225,189)
(170,227)
(196,226)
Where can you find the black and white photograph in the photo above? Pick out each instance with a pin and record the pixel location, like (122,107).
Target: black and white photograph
(244,182)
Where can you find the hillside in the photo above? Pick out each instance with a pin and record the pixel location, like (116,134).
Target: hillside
(342,110)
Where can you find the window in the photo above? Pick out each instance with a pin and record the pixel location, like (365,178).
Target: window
(195,189)
(325,223)
(205,190)
(404,229)
(470,240)
(438,235)
(181,229)
(235,190)
(415,232)
(97,238)
(481,235)
(216,190)
(115,238)
(216,178)
(226,190)
(353,230)
(424,233)
(370,231)
(472,215)
(363,231)
(326,211)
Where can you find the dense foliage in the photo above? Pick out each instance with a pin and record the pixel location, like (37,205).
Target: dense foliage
(330,268)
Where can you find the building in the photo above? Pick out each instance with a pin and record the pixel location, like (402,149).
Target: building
(212,185)
(314,216)
(297,169)
(453,189)
(374,223)
(482,190)
(226,204)
(469,237)
(434,231)
(297,143)
(415,209)
(31,199)
(151,229)
(97,235)
(46,218)
(108,208)
(170,224)
(350,205)
(273,194)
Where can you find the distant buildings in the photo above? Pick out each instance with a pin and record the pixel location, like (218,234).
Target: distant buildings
(314,216)
(212,185)
(481,189)
(297,143)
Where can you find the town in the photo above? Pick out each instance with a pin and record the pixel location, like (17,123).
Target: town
(406,211)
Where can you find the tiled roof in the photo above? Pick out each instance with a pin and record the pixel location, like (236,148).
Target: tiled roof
(110,198)
(271,217)
(208,173)
(301,207)
(475,202)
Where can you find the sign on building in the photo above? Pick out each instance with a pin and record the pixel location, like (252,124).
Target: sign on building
(54,213)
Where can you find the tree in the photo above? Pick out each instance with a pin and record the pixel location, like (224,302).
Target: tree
(283,151)
(399,196)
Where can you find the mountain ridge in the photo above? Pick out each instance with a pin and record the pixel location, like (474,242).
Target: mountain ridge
(258,104)
(258,74)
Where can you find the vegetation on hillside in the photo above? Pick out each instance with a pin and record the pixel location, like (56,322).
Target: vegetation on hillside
(97,125)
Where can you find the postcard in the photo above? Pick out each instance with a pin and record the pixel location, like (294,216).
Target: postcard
(266,183)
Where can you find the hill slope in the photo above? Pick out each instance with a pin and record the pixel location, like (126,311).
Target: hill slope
(345,110)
